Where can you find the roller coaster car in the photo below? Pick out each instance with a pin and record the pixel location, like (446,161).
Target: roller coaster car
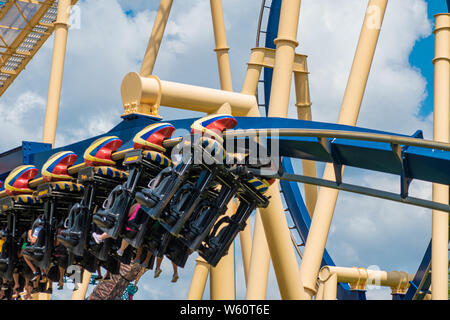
(99,178)
(211,233)
(176,192)
(58,194)
(17,212)
(143,164)
(189,199)
(192,214)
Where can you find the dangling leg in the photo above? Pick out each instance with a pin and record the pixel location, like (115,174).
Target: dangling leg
(175,272)
(158,266)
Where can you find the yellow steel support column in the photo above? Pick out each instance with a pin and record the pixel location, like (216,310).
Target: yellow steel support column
(273,217)
(80,294)
(199,279)
(304,113)
(440,220)
(286,42)
(222,284)
(330,288)
(319,295)
(259,263)
(254,68)
(57,70)
(159,26)
(326,201)
(149,92)
(222,276)
(245,237)
(359,278)
(280,246)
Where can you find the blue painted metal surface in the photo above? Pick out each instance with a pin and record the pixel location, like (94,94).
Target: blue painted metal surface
(271,34)
(420,274)
(18,156)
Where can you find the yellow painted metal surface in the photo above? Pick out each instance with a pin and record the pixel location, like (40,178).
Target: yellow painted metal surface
(440,219)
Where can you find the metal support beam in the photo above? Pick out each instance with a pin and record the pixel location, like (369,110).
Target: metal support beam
(326,201)
(259,263)
(56,73)
(146,94)
(440,221)
(159,26)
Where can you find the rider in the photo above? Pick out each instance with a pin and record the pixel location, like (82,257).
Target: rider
(32,237)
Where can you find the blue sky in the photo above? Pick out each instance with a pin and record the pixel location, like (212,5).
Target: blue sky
(423,54)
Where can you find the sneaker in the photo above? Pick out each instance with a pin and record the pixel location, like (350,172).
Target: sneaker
(157,272)
(96,237)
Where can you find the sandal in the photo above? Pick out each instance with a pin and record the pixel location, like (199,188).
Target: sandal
(157,273)
(175,277)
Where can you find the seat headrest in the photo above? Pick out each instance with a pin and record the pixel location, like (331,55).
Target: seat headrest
(55,168)
(152,137)
(214,125)
(100,151)
(17,181)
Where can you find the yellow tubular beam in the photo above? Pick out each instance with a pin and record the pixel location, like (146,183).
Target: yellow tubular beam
(156,37)
(137,91)
(362,62)
(286,42)
(258,255)
(330,288)
(254,68)
(319,295)
(245,237)
(221,280)
(326,200)
(280,246)
(56,73)
(222,48)
(440,220)
(222,277)
(199,279)
(304,113)
(259,263)
(273,217)
(80,294)
(358,278)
